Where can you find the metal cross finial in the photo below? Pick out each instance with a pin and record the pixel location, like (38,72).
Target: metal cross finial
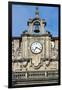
(36,8)
(37,12)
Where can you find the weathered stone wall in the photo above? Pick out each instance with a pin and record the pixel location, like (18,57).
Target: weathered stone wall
(36,59)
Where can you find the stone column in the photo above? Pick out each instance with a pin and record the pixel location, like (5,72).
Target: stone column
(24,47)
(42,28)
(26,75)
(30,28)
(47,47)
(45,71)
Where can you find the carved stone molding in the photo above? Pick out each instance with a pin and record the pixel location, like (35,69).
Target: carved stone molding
(36,66)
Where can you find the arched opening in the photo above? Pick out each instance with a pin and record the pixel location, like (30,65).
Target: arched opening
(36,27)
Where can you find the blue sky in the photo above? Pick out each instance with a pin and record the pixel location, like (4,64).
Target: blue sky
(21,14)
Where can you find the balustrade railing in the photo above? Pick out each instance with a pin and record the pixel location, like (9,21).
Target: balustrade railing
(37,75)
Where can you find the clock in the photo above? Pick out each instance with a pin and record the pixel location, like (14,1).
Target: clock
(36,47)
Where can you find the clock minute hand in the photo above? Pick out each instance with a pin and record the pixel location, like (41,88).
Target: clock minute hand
(39,48)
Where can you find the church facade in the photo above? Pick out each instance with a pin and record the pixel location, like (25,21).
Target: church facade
(35,54)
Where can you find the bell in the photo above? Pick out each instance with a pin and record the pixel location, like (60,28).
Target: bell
(36,30)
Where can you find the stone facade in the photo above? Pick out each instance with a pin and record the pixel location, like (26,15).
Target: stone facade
(29,65)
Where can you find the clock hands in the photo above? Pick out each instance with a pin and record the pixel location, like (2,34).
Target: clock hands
(37,48)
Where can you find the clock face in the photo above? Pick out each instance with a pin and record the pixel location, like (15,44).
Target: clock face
(36,47)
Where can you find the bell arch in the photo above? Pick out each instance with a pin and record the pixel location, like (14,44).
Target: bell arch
(36,26)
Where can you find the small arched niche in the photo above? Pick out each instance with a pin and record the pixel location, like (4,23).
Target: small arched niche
(36,26)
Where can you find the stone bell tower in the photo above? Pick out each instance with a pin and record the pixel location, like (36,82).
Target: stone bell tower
(36,25)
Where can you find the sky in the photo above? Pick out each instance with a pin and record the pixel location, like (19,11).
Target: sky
(21,14)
